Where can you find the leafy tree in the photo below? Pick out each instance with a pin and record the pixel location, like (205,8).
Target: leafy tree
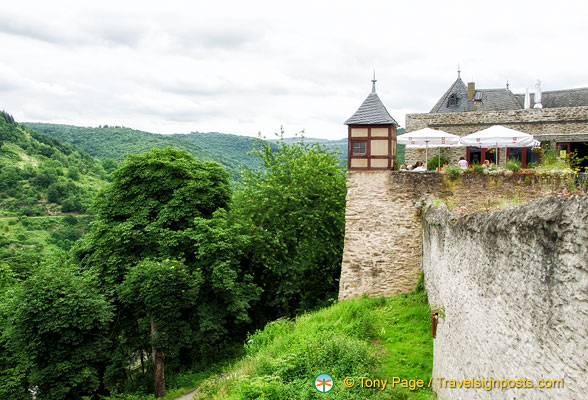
(109,165)
(297,202)
(73,173)
(13,374)
(58,332)
(160,292)
(163,205)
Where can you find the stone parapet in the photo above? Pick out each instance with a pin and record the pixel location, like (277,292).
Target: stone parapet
(382,250)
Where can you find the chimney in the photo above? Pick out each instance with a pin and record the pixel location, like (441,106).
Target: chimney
(471,90)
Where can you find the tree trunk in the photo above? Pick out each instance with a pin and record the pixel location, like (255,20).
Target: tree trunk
(157,355)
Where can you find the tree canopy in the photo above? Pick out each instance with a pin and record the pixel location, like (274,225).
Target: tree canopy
(297,202)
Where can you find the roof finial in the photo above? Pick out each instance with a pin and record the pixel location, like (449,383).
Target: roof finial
(374,82)
(507,85)
(458,72)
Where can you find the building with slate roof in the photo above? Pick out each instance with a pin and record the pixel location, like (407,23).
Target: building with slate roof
(463,109)
(371,136)
(462,98)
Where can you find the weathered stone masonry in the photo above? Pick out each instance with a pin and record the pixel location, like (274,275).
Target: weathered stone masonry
(382,252)
(514,288)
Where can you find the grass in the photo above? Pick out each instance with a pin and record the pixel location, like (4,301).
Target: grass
(374,338)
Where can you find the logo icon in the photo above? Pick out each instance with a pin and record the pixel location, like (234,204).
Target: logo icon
(323,383)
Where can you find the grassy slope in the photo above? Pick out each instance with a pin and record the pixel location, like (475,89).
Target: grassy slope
(377,338)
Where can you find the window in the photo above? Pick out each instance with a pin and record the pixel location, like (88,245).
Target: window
(359,148)
(452,101)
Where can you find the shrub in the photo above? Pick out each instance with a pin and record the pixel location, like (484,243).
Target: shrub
(478,168)
(453,172)
(513,165)
(433,162)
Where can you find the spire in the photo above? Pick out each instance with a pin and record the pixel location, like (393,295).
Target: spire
(458,72)
(374,82)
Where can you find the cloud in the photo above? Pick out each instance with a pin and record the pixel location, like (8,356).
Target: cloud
(244,67)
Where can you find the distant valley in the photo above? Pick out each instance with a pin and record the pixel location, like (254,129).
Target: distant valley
(231,151)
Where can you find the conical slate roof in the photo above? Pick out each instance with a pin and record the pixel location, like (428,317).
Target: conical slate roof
(371,112)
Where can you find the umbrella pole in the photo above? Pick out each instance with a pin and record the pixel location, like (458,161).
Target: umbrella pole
(426,154)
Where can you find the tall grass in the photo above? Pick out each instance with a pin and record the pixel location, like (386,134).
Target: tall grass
(374,338)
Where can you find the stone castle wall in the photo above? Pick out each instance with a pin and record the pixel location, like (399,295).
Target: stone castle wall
(382,251)
(547,124)
(513,286)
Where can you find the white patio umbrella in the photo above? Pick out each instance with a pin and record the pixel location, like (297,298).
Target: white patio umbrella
(439,146)
(498,136)
(428,137)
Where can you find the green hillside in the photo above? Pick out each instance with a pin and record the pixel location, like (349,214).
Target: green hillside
(233,147)
(231,151)
(46,187)
(115,142)
(340,146)
(42,176)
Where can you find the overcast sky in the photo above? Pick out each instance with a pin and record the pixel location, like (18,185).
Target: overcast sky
(248,66)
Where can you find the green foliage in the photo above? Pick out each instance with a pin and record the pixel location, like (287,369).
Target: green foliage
(162,205)
(296,204)
(513,165)
(478,168)
(433,162)
(161,291)
(24,242)
(37,170)
(576,162)
(453,172)
(57,330)
(362,337)
(550,159)
(116,143)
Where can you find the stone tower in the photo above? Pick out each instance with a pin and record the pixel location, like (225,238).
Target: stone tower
(381,254)
(371,136)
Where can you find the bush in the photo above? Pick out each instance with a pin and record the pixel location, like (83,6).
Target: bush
(513,165)
(453,172)
(478,168)
(433,162)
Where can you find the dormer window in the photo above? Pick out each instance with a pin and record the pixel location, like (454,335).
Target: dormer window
(452,101)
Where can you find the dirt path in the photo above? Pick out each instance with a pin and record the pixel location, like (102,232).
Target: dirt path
(187,396)
(42,216)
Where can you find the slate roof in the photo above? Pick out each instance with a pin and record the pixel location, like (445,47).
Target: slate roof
(497,100)
(504,99)
(461,91)
(491,100)
(559,98)
(371,112)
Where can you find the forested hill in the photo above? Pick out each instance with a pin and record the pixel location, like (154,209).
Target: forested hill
(41,176)
(230,151)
